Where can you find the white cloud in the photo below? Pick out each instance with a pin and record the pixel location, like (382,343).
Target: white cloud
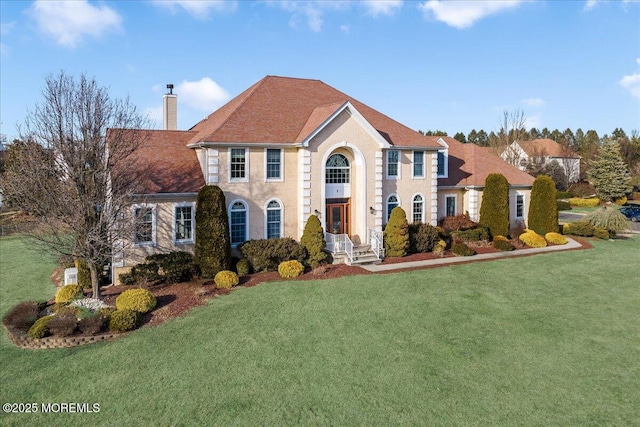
(155,114)
(309,12)
(632,84)
(204,94)
(68,22)
(590,4)
(382,7)
(463,13)
(534,102)
(199,9)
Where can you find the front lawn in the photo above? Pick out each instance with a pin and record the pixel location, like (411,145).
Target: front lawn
(548,339)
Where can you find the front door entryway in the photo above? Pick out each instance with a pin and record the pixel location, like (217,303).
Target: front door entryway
(338,216)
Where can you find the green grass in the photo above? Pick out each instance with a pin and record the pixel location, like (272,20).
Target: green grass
(542,340)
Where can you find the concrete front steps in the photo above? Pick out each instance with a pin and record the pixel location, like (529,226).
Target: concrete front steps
(362,255)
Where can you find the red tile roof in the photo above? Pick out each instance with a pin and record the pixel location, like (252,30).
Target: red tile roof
(546,147)
(470,164)
(286,110)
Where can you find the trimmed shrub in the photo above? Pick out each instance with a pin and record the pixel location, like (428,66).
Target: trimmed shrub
(127,279)
(22,316)
(458,222)
(563,195)
(267,254)
(313,241)
(582,189)
(226,279)
(396,234)
(91,325)
(584,203)
(63,324)
(243,267)
(578,228)
(601,233)
(213,244)
(172,267)
(503,244)
(533,239)
(461,249)
(84,274)
(473,235)
(563,205)
(140,300)
(556,238)
(290,269)
(543,210)
(494,210)
(621,201)
(124,320)
(68,293)
(607,218)
(40,328)
(106,312)
(422,237)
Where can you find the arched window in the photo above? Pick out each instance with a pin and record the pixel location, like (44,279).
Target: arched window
(274,220)
(392,202)
(338,170)
(418,208)
(238,223)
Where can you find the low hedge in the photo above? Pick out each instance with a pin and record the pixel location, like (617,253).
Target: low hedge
(267,254)
(563,205)
(473,235)
(584,203)
(172,267)
(461,249)
(578,228)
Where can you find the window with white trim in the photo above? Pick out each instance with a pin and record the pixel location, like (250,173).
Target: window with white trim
(392,202)
(273,167)
(393,164)
(418,164)
(274,220)
(144,218)
(238,222)
(337,170)
(519,205)
(450,201)
(418,208)
(238,164)
(183,227)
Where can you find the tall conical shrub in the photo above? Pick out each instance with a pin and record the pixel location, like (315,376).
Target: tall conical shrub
(543,210)
(313,240)
(213,244)
(396,233)
(494,211)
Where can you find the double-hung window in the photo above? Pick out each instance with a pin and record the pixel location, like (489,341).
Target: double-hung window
(418,164)
(274,219)
(450,205)
(184,222)
(238,164)
(393,164)
(519,206)
(144,225)
(273,164)
(238,223)
(443,170)
(418,208)
(392,202)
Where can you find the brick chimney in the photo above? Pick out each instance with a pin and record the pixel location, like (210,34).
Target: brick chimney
(170,109)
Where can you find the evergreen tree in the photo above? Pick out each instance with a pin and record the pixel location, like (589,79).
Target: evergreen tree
(213,244)
(396,233)
(460,137)
(313,240)
(609,173)
(543,209)
(494,210)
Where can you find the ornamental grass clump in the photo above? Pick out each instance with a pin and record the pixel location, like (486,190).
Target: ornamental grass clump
(68,293)
(226,279)
(533,239)
(290,269)
(140,300)
(556,238)
(607,218)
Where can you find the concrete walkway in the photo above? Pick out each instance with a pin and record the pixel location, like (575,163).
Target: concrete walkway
(572,244)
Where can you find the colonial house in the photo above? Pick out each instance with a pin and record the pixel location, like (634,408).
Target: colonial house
(541,152)
(287,148)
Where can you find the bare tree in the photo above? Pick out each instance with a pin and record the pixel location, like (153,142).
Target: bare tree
(73,170)
(512,128)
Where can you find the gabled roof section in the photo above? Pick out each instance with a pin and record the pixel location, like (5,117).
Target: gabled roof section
(546,148)
(470,164)
(284,110)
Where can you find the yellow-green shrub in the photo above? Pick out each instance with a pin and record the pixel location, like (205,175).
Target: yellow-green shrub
(40,329)
(124,320)
(226,279)
(290,269)
(584,203)
(68,293)
(556,238)
(533,239)
(499,237)
(601,233)
(621,200)
(140,300)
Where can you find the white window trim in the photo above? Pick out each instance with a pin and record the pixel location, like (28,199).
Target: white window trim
(281,179)
(455,200)
(424,204)
(246,226)
(246,164)
(394,177)
(154,221)
(387,214)
(192,240)
(424,156)
(524,205)
(446,163)
(266,205)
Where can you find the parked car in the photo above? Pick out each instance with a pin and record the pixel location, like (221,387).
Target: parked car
(632,212)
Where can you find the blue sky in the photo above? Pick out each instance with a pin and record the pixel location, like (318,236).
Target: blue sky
(429,64)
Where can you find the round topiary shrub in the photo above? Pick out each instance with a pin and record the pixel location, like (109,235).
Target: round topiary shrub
(226,279)
(533,239)
(290,269)
(40,328)
(556,238)
(68,293)
(140,300)
(124,320)
(243,267)
(461,249)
